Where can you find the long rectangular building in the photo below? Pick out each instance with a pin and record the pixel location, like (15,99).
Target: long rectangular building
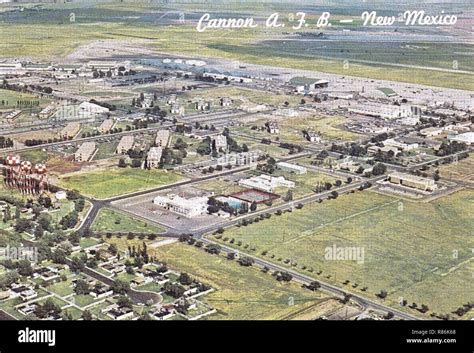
(125,144)
(85,152)
(162,138)
(412,181)
(70,130)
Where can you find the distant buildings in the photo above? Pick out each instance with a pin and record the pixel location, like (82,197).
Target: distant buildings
(307,85)
(91,109)
(85,152)
(106,126)
(177,109)
(313,136)
(13,115)
(385,111)
(193,207)
(125,144)
(266,182)
(219,142)
(70,130)
(431,131)
(162,138)
(153,158)
(225,101)
(272,127)
(467,138)
(412,181)
(47,112)
(400,145)
(202,105)
(294,168)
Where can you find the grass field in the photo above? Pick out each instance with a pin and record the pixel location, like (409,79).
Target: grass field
(291,130)
(9,99)
(112,221)
(108,183)
(241,293)
(49,34)
(404,246)
(461,171)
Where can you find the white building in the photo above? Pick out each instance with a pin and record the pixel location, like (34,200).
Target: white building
(177,109)
(272,127)
(219,142)
(266,182)
(467,138)
(294,168)
(91,109)
(153,158)
(162,138)
(193,207)
(400,145)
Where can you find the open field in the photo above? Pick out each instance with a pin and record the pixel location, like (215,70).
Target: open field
(241,293)
(404,244)
(112,221)
(54,35)
(246,95)
(108,183)
(461,171)
(12,99)
(291,129)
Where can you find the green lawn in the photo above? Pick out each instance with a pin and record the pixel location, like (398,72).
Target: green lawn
(108,183)
(406,245)
(113,221)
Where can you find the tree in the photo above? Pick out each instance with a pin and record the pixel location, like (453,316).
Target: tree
(185,279)
(288,196)
(313,286)
(122,163)
(246,261)
(379,169)
(82,287)
(86,315)
(253,206)
(120,287)
(382,294)
(23,225)
(24,268)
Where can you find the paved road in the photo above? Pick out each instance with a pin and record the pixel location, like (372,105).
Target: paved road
(304,279)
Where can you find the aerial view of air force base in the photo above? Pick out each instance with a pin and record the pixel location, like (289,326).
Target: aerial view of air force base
(161,161)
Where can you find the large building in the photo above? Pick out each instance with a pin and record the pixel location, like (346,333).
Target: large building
(153,158)
(266,182)
(385,111)
(294,168)
(91,109)
(193,207)
(85,152)
(162,138)
(106,126)
(70,130)
(467,138)
(219,142)
(412,181)
(125,144)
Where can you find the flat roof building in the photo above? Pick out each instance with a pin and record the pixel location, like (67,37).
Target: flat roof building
(162,138)
(125,144)
(106,126)
(412,181)
(85,152)
(193,207)
(70,130)
(266,182)
(153,158)
(294,168)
